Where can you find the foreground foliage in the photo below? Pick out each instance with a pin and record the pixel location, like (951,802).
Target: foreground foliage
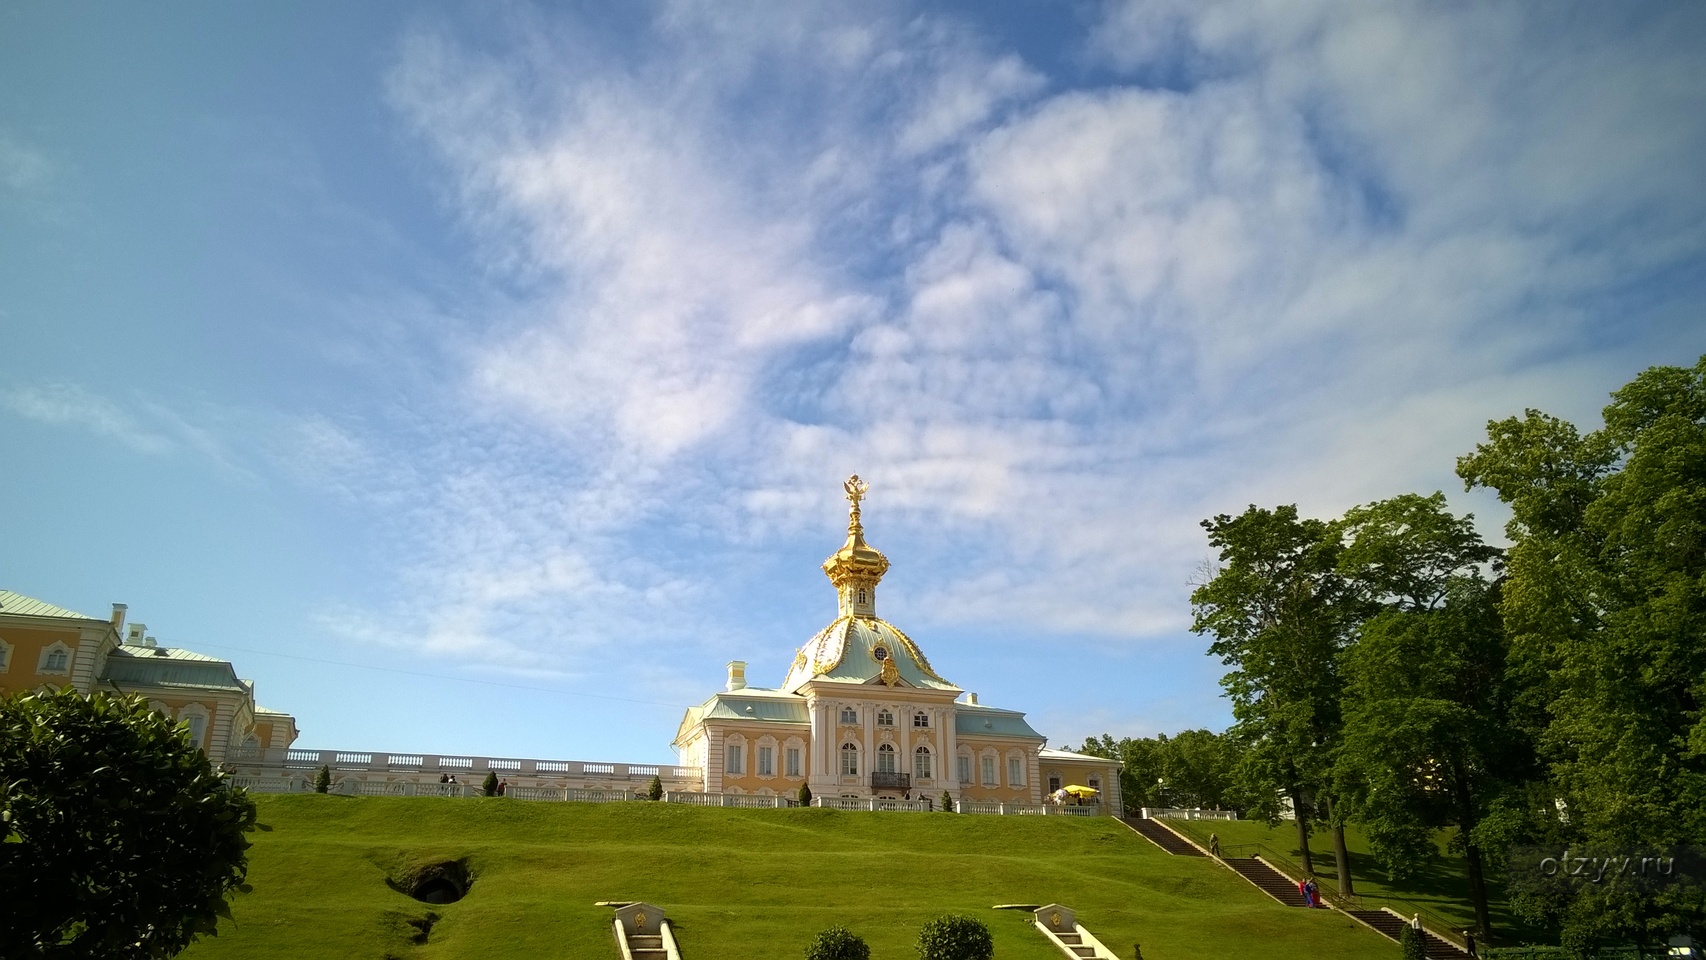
(955,938)
(838,943)
(120,840)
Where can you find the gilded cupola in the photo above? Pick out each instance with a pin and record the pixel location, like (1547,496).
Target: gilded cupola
(857,567)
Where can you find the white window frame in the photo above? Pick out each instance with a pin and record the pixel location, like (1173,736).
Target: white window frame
(58,648)
(791,761)
(5,656)
(850,759)
(195,715)
(1015,771)
(885,718)
(850,715)
(965,765)
(734,759)
(886,758)
(922,767)
(766,760)
(987,769)
(921,720)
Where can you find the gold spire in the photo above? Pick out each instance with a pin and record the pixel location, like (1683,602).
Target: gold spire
(856,568)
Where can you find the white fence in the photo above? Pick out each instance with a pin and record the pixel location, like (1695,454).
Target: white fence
(1177,813)
(575,794)
(367,762)
(273,784)
(747,801)
(873,803)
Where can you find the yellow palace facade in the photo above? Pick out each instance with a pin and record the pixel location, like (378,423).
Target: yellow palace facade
(862,713)
(44,647)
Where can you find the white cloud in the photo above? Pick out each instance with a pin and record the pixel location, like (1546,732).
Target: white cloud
(70,405)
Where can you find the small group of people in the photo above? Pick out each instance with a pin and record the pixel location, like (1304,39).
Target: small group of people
(1311,892)
(447,778)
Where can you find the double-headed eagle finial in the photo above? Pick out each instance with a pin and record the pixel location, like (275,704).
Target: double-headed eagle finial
(856,489)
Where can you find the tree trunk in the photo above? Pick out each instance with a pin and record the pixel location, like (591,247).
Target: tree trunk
(1478,891)
(1341,855)
(1302,829)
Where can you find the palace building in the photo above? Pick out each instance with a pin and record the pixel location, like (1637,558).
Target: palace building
(863,713)
(44,647)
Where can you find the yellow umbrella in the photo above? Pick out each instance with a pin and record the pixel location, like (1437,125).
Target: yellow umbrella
(1079,791)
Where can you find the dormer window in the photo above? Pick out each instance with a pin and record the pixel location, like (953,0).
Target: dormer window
(885,718)
(921,719)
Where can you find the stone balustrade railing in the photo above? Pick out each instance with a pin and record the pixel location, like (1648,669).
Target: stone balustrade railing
(1179,813)
(347,761)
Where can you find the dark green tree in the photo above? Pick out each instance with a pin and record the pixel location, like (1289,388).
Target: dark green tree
(489,786)
(117,838)
(654,790)
(1280,614)
(947,802)
(804,796)
(1606,614)
(1411,945)
(1429,741)
(838,943)
(323,779)
(955,938)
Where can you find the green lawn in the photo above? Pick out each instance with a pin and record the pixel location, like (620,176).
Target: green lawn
(1440,886)
(737,884)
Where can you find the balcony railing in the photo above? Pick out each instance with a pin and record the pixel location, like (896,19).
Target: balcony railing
(890,781)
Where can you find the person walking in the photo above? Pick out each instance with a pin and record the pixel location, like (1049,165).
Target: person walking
(1214,845)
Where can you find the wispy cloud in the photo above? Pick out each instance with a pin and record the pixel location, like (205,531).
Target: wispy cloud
(73,406)
(1287,254)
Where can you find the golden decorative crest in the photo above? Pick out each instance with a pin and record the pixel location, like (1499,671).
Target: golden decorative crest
(890,672)
(640,920)
(856,490)
(1054,919)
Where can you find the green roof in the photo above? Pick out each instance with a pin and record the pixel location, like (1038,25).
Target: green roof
(846,650)
(19,605)
(975,719)
(170,667)
(744,705)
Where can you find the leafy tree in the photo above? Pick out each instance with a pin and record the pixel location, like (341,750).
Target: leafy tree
(654,790)
(1194,768)
(489,786)
(117,837)
(1606,614)
(1428,740)
(955,938)
(1411,944)
(1279,612)
(838,943)
(323,779)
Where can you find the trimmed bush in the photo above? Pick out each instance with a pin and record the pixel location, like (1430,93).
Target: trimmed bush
(1411,946)
(838,943)
(947,802)
(323,779)
(490,784)
(805,795)
(655,790)
(955,938)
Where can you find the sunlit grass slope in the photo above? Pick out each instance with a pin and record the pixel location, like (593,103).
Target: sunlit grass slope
(737,884)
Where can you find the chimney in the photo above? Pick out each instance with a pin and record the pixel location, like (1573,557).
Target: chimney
(148,642)
(737,675)
(971,699)
(118,616)
(134,637)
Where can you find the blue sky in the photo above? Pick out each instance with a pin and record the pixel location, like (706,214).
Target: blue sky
(481,378)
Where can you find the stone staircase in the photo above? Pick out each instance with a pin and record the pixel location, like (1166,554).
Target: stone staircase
(642,947)
(1266,879)
(1161,836)
(1390,924)
(1059,923)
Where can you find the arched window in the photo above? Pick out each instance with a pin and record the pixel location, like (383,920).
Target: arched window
(55,662)
(885,718)
(921,763)
(885,758)
(849,760)
(921,719)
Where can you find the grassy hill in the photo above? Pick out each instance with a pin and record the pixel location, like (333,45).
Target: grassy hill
(737,884)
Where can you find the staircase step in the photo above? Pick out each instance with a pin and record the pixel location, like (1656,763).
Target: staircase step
(1162,837)
(1392,925)
(1267,879)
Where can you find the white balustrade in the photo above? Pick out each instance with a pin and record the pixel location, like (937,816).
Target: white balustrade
(1178,813)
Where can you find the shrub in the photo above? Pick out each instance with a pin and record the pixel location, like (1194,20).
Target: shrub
(117,837)
(947,802)
(654,791)
(490,785)
(323,779)
(1411,945)
(805,795)
(955,938)
(838,943)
